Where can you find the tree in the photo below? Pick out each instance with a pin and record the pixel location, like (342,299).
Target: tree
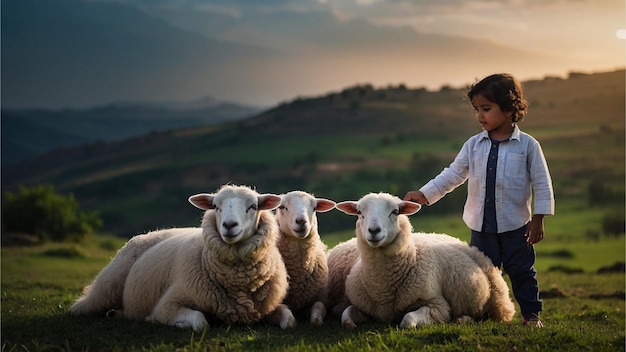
(49,216)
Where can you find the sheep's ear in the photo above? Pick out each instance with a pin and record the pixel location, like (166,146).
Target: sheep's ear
(408,208)
(324,205)
(202,201)
(348,207)
(268,201)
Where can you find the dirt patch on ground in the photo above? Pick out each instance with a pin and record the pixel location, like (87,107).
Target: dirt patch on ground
(553,292)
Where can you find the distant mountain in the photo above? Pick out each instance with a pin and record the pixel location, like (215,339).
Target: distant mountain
(31,132)
(90,52)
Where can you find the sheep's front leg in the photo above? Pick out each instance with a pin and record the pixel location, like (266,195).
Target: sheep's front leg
(353,315)
(437,311)
(168,311)
(282,316)
(417,317)
(189,318)
(184,318)
(318,312)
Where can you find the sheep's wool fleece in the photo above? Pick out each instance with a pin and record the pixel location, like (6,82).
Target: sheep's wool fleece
(411,272)
(341,258)
(305,260)
(106,291)
(236,283)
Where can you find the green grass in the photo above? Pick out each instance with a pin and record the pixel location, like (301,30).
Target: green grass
(38,288)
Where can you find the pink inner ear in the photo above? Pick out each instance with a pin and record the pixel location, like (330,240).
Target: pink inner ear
(408,208)
(268,201)
(324,205)
(202,201)
(347,207)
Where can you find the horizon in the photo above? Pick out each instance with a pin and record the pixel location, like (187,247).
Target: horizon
(175,104)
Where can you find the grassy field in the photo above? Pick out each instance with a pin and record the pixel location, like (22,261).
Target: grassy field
(583,311)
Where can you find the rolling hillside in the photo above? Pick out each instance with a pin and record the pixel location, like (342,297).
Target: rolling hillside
(338,146)
(27,133)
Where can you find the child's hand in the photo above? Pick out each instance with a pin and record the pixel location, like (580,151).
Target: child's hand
(534,231)
(416,196)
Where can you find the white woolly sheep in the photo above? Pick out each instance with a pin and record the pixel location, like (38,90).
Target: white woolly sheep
(414,277)
(304,252)
(229,268)
(108,286)
(340,260)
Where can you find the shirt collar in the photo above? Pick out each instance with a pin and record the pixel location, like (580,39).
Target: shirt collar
(515,135)
(516,132)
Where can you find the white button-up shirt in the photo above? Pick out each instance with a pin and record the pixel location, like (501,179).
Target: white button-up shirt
(521,176)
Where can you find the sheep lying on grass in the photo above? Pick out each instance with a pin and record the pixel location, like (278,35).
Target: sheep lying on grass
(304,252)
(106,291)
(413,278)
(229,269)
(340,260)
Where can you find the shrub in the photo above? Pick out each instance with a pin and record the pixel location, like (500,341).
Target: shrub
(599,194)
(614,223)
(41,212)
(64,252)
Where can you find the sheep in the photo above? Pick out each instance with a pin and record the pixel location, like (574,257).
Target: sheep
(303,252)
(340,260)
(416,278)
(229,268)
(104,294)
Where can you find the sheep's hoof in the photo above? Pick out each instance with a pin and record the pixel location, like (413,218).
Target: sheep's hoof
(318,311)
(283,317)
(288,322)
(346,318)
(466,319)
(317,320)
(407,324)
(350,325)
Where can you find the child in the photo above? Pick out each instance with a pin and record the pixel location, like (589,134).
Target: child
(506,168)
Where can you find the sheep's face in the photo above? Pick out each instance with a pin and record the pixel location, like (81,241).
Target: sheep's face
(236,210)
(377,223)
(296,213)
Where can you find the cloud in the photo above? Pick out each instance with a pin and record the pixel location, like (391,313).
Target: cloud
(266,51)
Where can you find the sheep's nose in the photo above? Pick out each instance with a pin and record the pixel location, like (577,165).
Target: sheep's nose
(229,224)
(300,221)
(374,230)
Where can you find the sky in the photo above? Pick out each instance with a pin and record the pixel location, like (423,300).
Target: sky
(585,30)
(311,47)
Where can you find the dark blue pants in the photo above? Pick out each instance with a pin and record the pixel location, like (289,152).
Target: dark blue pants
(511,252)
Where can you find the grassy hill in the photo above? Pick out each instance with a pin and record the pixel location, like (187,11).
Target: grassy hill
(27,133)
(341,146)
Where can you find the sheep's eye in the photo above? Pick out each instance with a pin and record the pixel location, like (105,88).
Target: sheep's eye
(395,212)
(252,207)
(282,207)
(358,212)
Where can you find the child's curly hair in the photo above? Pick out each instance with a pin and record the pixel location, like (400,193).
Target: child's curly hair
(504,90)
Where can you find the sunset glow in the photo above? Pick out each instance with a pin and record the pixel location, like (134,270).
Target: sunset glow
(267,52)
